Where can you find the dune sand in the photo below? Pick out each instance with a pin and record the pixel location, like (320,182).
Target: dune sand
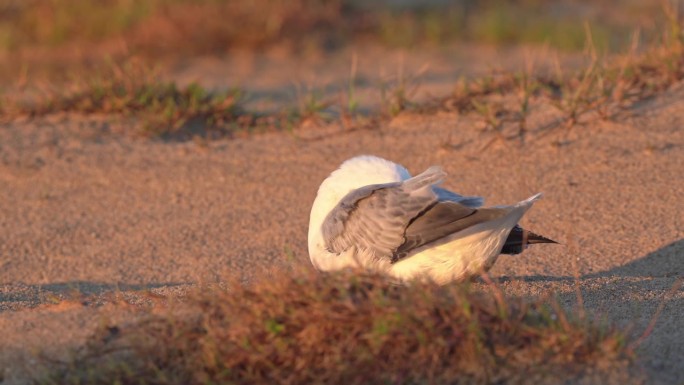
(84,209)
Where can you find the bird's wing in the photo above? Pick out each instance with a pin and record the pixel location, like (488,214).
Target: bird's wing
(390,220)
(445,195)
(441,220)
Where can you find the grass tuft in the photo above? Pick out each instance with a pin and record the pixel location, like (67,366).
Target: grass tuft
(133,90)
(601,89)
(345,328)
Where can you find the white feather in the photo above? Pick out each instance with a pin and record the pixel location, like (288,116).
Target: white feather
(455,257)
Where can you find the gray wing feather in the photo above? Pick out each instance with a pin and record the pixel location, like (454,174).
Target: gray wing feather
(450,196)
(337,237)
(375,217)
(443,219)
(390,220)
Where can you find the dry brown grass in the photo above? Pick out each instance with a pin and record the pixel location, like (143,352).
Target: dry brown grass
(602,89)
(134,90)
(48,35)
(605,87)
(208,25)
(350,329)
(162,26)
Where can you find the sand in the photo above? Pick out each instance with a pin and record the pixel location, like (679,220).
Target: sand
(83,208)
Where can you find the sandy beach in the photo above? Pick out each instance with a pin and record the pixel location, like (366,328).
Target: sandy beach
(91,214)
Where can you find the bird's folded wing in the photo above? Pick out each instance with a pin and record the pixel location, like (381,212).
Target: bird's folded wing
(389,220)
(445,195)
(443,219)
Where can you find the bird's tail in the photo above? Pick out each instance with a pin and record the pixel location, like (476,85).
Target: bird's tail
(519,239)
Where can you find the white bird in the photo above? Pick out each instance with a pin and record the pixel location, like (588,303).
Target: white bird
(370,213)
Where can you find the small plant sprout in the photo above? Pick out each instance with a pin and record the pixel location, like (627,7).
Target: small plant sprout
(352,101)
(312,105)
(492,114)
(398,97)
(526,88)
(133,89)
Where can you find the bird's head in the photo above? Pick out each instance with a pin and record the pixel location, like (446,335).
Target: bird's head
(354,173)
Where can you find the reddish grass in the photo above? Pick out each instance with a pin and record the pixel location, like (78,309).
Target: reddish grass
(350,329)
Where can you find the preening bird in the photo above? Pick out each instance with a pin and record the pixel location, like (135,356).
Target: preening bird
(371,213)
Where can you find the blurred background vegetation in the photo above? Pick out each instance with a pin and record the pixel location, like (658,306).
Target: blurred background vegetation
(181,27)
(76,55)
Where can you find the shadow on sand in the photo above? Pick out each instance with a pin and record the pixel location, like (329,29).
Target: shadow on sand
(20,296)
(666,262)
(630,295)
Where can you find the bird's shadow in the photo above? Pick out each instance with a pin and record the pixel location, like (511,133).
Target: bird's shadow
(19,295)
(666,262)
(632,296)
